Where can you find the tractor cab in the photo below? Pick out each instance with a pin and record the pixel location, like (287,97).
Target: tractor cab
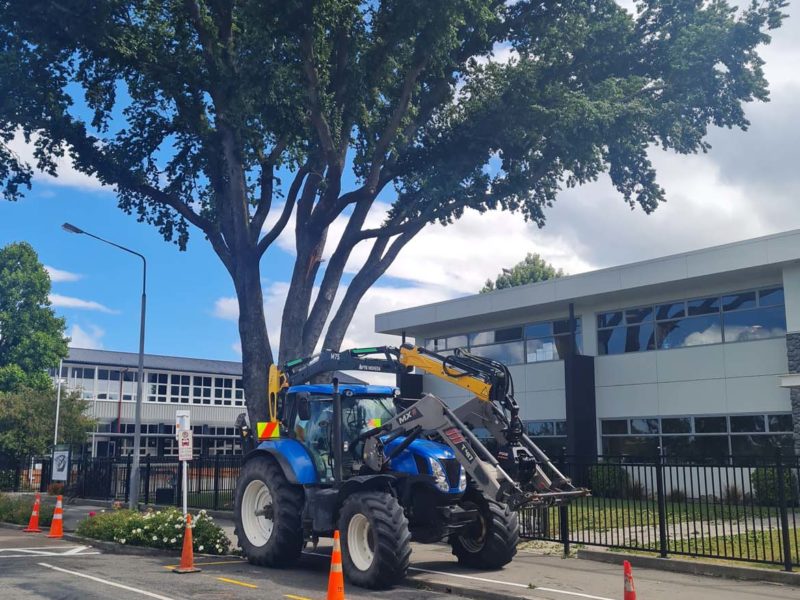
(308,416)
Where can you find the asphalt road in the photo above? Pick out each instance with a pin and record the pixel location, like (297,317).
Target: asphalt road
(35,567)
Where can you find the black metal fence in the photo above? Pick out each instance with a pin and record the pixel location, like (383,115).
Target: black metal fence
(734,509)
(211,481)
(742,510)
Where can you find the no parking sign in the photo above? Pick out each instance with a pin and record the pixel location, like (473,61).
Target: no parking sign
(183,431)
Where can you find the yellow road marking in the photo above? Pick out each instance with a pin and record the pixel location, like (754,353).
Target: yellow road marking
(293,597)
(203,564)
(235,582)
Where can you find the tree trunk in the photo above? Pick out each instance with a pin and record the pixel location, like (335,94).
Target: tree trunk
(256,350)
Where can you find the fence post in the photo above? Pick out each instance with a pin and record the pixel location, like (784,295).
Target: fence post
(662,505)
(563,524)
(216,481)
(16,486)
(787,549)
(147,480)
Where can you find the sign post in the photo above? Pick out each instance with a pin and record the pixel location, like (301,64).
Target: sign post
(183,432)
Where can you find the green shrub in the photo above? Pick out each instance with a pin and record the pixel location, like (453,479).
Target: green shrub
(156,529)
(608,481)
(764,484)
(677,496)
(18,510)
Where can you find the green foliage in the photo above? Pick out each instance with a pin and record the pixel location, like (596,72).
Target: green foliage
(764,485)
(217,114)
(609,481)
(160,529)
(531,269)
(31,336)
(17,509)
(27,420)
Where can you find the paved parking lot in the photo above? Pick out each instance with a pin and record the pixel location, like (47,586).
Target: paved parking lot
(34,567)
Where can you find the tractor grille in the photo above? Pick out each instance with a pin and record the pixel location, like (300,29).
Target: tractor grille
(422,465)
(452,469)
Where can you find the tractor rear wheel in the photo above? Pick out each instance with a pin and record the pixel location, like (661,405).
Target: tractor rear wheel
(376,543)
(267,511)
(491,541)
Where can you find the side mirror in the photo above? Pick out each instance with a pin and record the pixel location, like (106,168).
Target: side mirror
(303,407)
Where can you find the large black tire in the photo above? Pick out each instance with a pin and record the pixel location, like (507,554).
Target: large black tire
(490,542)
(387,538)
(283,544)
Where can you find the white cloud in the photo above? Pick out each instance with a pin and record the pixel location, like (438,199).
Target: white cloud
(59,276)
(60,301)
(92,339)
(67,174)
(237,348)
(226,308)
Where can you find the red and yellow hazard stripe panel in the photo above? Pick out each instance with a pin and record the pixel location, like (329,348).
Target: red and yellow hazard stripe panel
(268,430)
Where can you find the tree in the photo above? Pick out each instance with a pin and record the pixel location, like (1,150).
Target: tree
(233,116)
(27,421)
(31,336)
(531,269)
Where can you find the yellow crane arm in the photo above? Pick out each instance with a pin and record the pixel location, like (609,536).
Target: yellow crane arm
(412,357)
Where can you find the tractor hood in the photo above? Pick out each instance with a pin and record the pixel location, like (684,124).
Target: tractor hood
(423,448)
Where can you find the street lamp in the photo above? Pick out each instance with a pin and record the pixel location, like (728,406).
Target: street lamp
(137,434)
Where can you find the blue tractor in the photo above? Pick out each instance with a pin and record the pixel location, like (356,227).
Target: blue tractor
(384,470)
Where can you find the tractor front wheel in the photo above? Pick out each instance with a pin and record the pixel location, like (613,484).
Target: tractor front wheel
(267,513)
(376,543)
(491,541)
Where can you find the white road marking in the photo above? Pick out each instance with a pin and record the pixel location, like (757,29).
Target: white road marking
(107,582)
(495,581)
(46,551)
(509,583)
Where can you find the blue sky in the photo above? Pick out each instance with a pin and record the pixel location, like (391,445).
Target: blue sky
(744,187)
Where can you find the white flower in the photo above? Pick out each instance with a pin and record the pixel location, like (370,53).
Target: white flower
(165,540)
(172,541)
(200,548)
(155,538)
(177,526)
(122,541)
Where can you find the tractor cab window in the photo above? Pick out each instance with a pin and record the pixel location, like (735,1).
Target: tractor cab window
(359,414)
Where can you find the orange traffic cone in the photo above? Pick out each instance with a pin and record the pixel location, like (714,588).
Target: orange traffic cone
(336,578)
(57,525)
(33,524)
(187,556)
(630,591)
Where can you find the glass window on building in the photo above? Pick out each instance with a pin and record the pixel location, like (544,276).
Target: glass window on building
(201,389)
(735,317)
(698,438)
(179,389)
(550,436)
(157,387)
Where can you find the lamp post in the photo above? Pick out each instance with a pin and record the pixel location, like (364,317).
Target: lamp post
(137,434)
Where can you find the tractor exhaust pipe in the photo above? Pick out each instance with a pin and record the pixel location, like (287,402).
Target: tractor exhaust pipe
(337,433)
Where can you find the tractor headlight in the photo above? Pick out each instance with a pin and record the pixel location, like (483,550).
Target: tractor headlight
(438,475)
(462,480)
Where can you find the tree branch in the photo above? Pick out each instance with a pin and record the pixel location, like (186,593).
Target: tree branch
(315,105)
(389,132)
(288,207)
(266,182)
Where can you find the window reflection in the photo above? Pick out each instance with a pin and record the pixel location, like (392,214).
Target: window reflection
(691,331)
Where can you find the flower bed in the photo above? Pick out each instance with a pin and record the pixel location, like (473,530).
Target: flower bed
(18,510)
(156,529)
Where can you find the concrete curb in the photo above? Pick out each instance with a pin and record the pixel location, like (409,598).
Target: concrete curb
(677,565)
